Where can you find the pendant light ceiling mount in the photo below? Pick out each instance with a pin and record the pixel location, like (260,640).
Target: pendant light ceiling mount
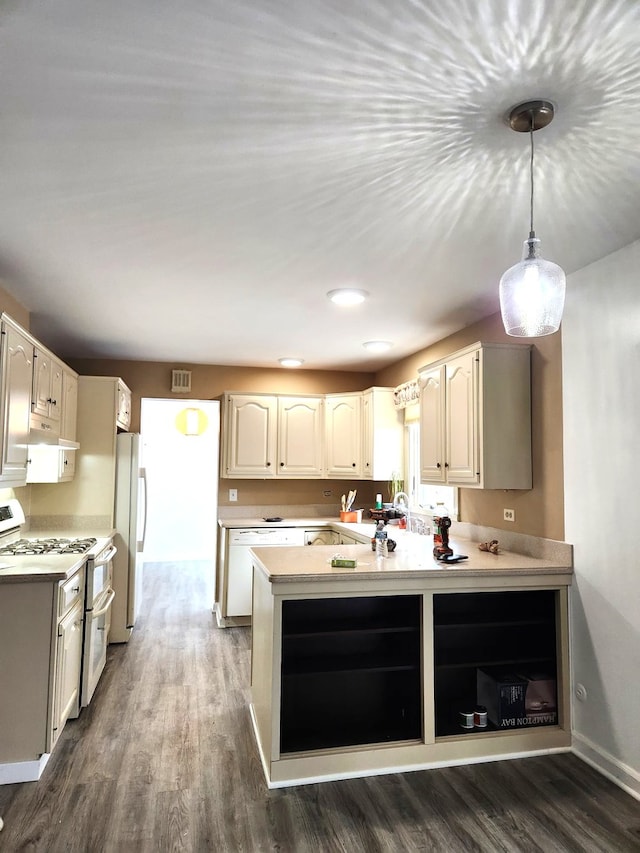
(530,115)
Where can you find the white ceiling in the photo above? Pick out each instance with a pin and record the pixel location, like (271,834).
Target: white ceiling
(185,181)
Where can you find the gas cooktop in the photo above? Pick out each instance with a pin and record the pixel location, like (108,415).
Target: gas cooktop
(24,547)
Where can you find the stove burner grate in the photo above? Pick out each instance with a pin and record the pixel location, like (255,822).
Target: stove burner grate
(30,547)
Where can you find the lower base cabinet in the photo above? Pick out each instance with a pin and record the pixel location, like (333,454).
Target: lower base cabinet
(504,639)
(364,683)
(350,672)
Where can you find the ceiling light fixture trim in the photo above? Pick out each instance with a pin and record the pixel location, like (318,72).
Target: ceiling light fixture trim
(290,362)
(532,291)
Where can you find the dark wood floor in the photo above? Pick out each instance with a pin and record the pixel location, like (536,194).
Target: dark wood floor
(164,760)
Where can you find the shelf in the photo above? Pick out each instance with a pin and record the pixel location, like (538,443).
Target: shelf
(541,663)
(340,632)
(349,663)
(384,613)
(350,708)
(501,623)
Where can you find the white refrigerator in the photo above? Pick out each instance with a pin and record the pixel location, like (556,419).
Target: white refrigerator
(130,521)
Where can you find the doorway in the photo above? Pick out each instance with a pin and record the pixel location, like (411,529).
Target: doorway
(180,446)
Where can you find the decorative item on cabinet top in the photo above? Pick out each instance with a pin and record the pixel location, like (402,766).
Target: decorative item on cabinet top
(406,394)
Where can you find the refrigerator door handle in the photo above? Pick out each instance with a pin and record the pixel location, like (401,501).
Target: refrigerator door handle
(140,542)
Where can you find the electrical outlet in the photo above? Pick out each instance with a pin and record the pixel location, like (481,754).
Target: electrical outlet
(233,494)
(327,493)
(509,515)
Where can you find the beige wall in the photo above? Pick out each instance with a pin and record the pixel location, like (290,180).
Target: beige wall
(13,308)
(540,511)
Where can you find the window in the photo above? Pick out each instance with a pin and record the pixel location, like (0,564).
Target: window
(424,498)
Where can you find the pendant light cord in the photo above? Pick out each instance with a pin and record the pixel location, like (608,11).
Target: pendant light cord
(531,231)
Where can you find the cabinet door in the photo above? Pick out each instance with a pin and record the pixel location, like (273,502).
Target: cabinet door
(69,406)
(17,361)
(67,673)
(343,432)
(382,435)
(251,436)
(300,428)
(55,391)
(41,383)
(462,419)
(432,426)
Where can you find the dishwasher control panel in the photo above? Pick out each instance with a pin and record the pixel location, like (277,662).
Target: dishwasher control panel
(260,536)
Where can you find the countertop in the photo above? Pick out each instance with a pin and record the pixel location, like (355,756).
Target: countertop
(33,568)
(412,559)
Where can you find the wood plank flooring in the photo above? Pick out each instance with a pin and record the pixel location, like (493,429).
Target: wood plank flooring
(164,759)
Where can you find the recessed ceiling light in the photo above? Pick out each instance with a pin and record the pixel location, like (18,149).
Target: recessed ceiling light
(347,296)
(377,346)
(291,362)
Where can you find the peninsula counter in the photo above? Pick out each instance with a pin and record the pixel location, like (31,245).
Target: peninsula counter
(362,671)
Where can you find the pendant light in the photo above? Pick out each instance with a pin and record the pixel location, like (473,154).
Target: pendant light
(532,291)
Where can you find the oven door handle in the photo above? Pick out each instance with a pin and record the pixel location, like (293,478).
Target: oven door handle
(107,557)
(110,596)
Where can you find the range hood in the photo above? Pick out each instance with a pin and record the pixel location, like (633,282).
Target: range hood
(43,430)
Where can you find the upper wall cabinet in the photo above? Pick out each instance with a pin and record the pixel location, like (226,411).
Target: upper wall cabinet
(268,436)
(355,435)
(46,402)
(382,435)
(343,433)
(17,376)
(475,418)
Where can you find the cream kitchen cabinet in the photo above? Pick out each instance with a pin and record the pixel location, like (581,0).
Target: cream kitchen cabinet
(475,418)
(343,435)
(41,627)
(268,436)
(382,435)
(68,424)
(68,656)
(17,377)
(57,463)
(46,402)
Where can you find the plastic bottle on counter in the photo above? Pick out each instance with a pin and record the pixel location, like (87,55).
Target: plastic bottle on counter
(382,549)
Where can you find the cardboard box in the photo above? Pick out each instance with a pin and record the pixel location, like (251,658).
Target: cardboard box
(517,699)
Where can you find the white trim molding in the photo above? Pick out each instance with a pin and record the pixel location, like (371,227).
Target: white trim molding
(621,774)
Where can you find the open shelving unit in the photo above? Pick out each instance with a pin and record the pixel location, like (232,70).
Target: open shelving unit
(513,630)
(351,671)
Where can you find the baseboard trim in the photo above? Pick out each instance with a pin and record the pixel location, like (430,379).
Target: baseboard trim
(621,774)
(23,771)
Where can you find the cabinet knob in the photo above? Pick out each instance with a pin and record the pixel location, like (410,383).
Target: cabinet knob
(75,589)
(446,464)
(438,465)
(268,464)
(282,464)
(353,464)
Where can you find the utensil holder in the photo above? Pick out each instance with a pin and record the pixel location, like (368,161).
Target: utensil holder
(354,516)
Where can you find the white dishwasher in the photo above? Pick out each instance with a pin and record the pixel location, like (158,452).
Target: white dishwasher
(239,566)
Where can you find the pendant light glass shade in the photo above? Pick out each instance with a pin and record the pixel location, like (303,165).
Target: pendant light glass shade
(532,294)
